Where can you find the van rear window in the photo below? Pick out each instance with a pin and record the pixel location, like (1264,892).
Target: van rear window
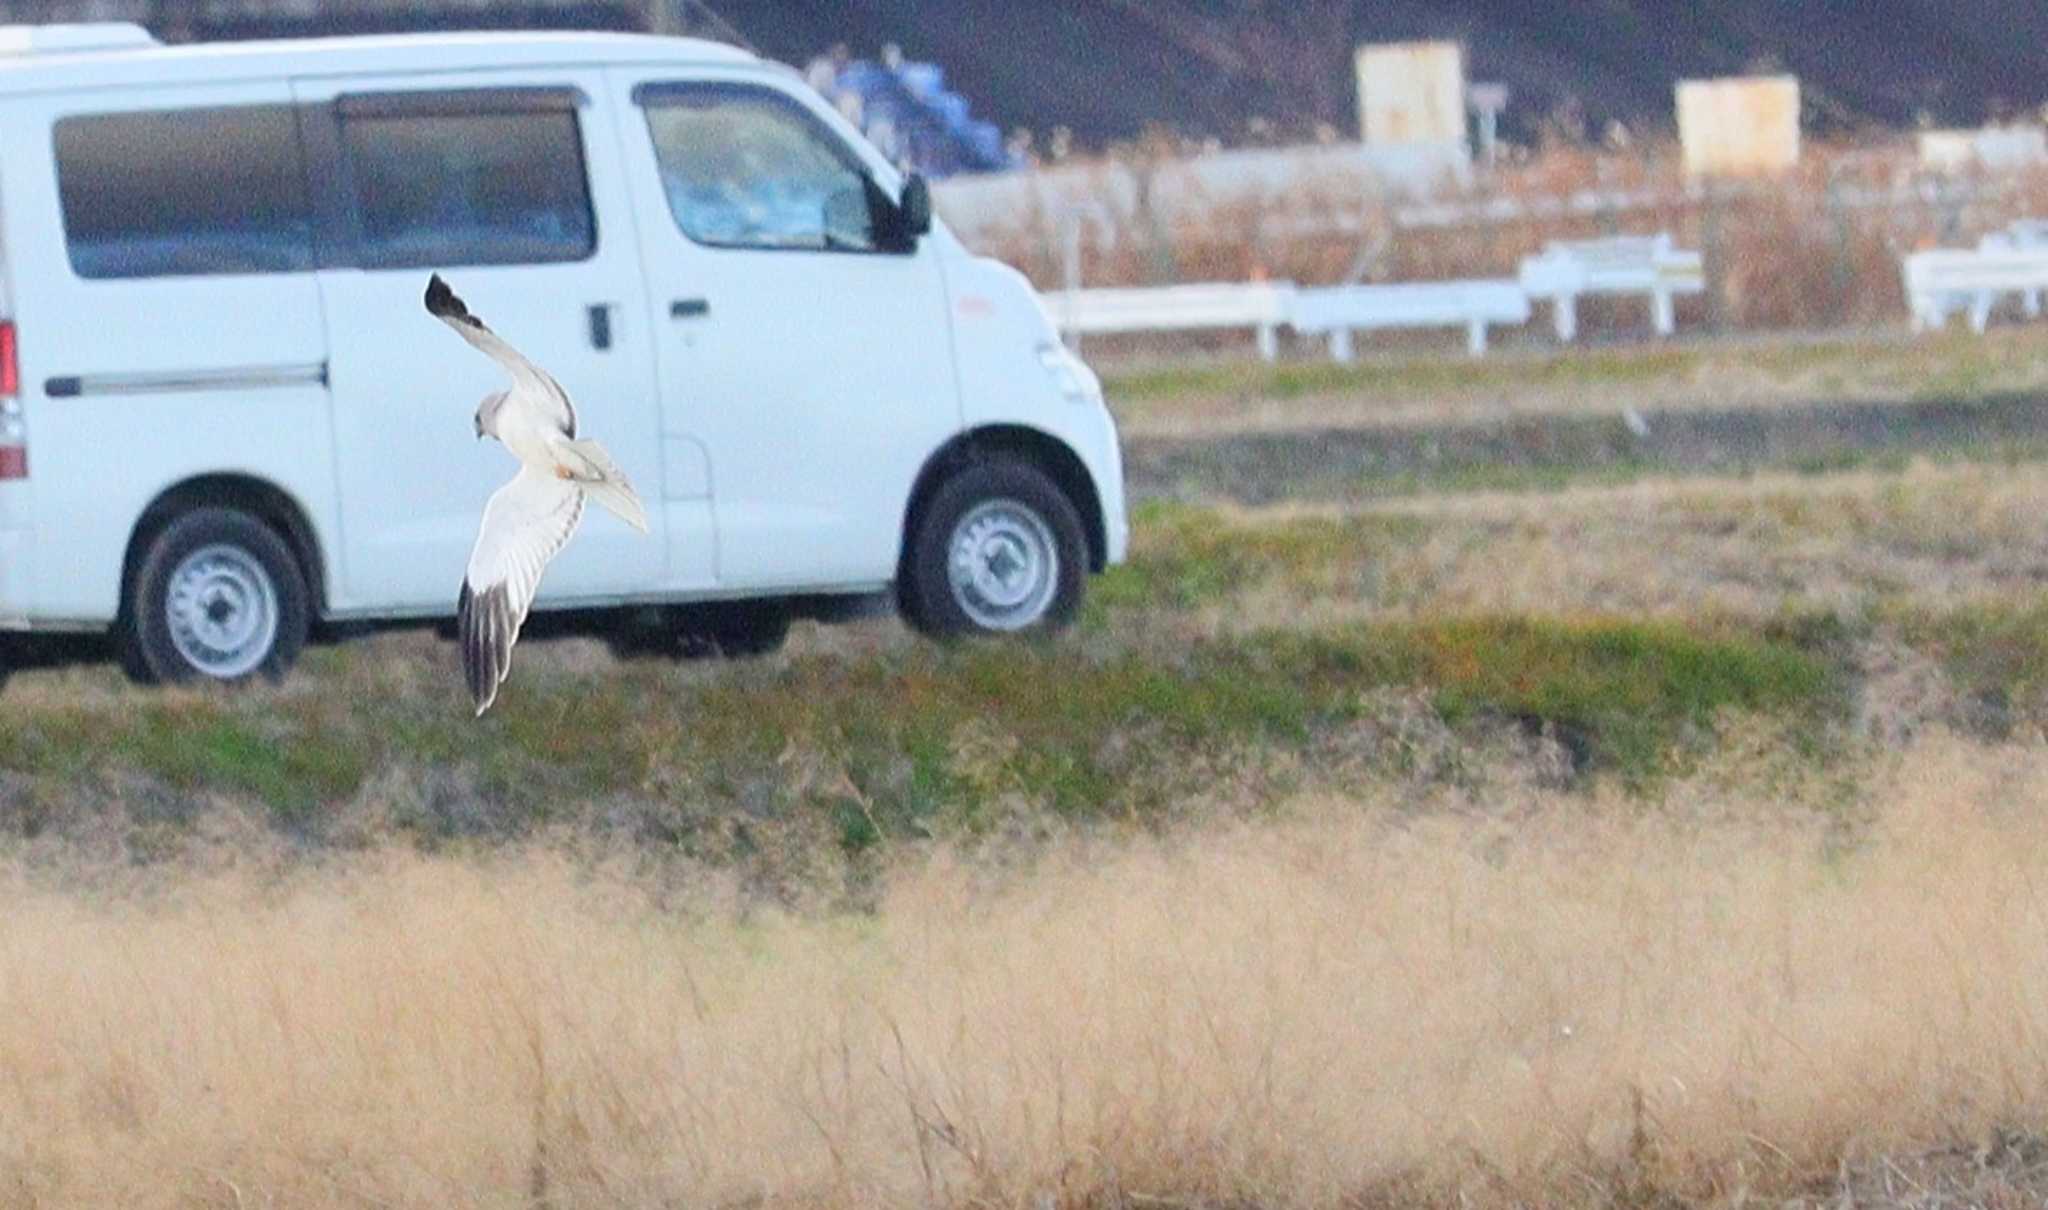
(441,189)
(184,192)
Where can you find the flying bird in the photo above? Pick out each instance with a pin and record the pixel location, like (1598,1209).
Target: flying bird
(531,518)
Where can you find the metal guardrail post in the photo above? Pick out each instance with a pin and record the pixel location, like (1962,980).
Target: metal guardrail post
(1071,217)
(1565,313)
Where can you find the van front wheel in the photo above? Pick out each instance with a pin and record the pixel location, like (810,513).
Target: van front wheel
(218,596)
(998,549)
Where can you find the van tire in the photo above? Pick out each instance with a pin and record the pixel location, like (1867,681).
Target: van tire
(1023,556)
(241,608)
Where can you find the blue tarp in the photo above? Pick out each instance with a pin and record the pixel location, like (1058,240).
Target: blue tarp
(914,119)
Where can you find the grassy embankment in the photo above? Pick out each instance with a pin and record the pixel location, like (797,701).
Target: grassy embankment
(1402,425)
(1240,656)
(1183,397)
(1663,844)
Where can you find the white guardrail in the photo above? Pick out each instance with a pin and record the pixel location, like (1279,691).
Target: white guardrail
(1943,281)
(1646,265)
(1472,305)
(1630,264)
(1202,306)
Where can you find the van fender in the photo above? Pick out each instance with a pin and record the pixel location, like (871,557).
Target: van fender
(1034,446)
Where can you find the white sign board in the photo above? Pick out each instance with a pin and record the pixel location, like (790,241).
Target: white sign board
(1411,92)
(1746,126)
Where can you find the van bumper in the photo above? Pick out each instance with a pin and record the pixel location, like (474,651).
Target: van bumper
(1116,526)
(1108,460)
(14,579)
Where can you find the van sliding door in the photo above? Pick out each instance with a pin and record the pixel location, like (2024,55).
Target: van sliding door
(508,185)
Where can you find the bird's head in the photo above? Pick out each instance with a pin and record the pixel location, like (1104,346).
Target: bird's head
(487,415)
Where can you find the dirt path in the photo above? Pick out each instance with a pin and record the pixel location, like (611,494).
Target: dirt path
(1362,462)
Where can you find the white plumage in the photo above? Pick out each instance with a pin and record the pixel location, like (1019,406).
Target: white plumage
(531,518)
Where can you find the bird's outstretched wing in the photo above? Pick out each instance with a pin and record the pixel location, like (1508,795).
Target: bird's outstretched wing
(527,521)
(536,383)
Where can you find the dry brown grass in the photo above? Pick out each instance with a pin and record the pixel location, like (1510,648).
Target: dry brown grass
(1928,536)
(1554,1002)
(1933,535)
(1817,247)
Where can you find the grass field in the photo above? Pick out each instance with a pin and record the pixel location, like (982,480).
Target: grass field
(1193,397)
(1664,843)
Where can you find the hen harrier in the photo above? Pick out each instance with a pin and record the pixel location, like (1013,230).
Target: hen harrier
(531,518)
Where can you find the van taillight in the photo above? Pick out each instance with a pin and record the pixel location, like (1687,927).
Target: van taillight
(13,427)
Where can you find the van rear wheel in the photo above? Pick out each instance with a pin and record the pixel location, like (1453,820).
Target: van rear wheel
(998,549)
(219,596)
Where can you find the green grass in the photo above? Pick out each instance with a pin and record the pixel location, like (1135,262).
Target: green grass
(1465,478)
(1966,373)
(928,740)
(1147,706)
(190,746)
(1406,376)
(1947,366)
(1635,698)
(1190,557)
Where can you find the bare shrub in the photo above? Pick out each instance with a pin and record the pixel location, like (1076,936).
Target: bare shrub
(1818,247)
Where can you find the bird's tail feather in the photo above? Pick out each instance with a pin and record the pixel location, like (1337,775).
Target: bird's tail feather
(603,481)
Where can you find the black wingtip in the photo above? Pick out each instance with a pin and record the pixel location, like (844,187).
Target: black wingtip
(441,301)
(482,623)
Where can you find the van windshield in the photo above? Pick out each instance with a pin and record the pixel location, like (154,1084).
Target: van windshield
(746,167)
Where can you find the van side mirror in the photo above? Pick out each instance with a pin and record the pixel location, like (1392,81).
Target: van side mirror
(899,222)
(916,207)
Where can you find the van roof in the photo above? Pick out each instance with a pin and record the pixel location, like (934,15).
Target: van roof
(62,70)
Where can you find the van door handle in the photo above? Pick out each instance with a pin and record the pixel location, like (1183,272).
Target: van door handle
(600,326)
(689,308)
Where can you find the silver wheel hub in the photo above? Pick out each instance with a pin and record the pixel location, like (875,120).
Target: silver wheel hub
(223,612)
(1003,565)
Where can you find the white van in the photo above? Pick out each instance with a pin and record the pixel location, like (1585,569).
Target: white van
(226,419)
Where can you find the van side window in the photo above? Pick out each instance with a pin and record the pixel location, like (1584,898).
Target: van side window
(447,189)
(184,192)
(747,167)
